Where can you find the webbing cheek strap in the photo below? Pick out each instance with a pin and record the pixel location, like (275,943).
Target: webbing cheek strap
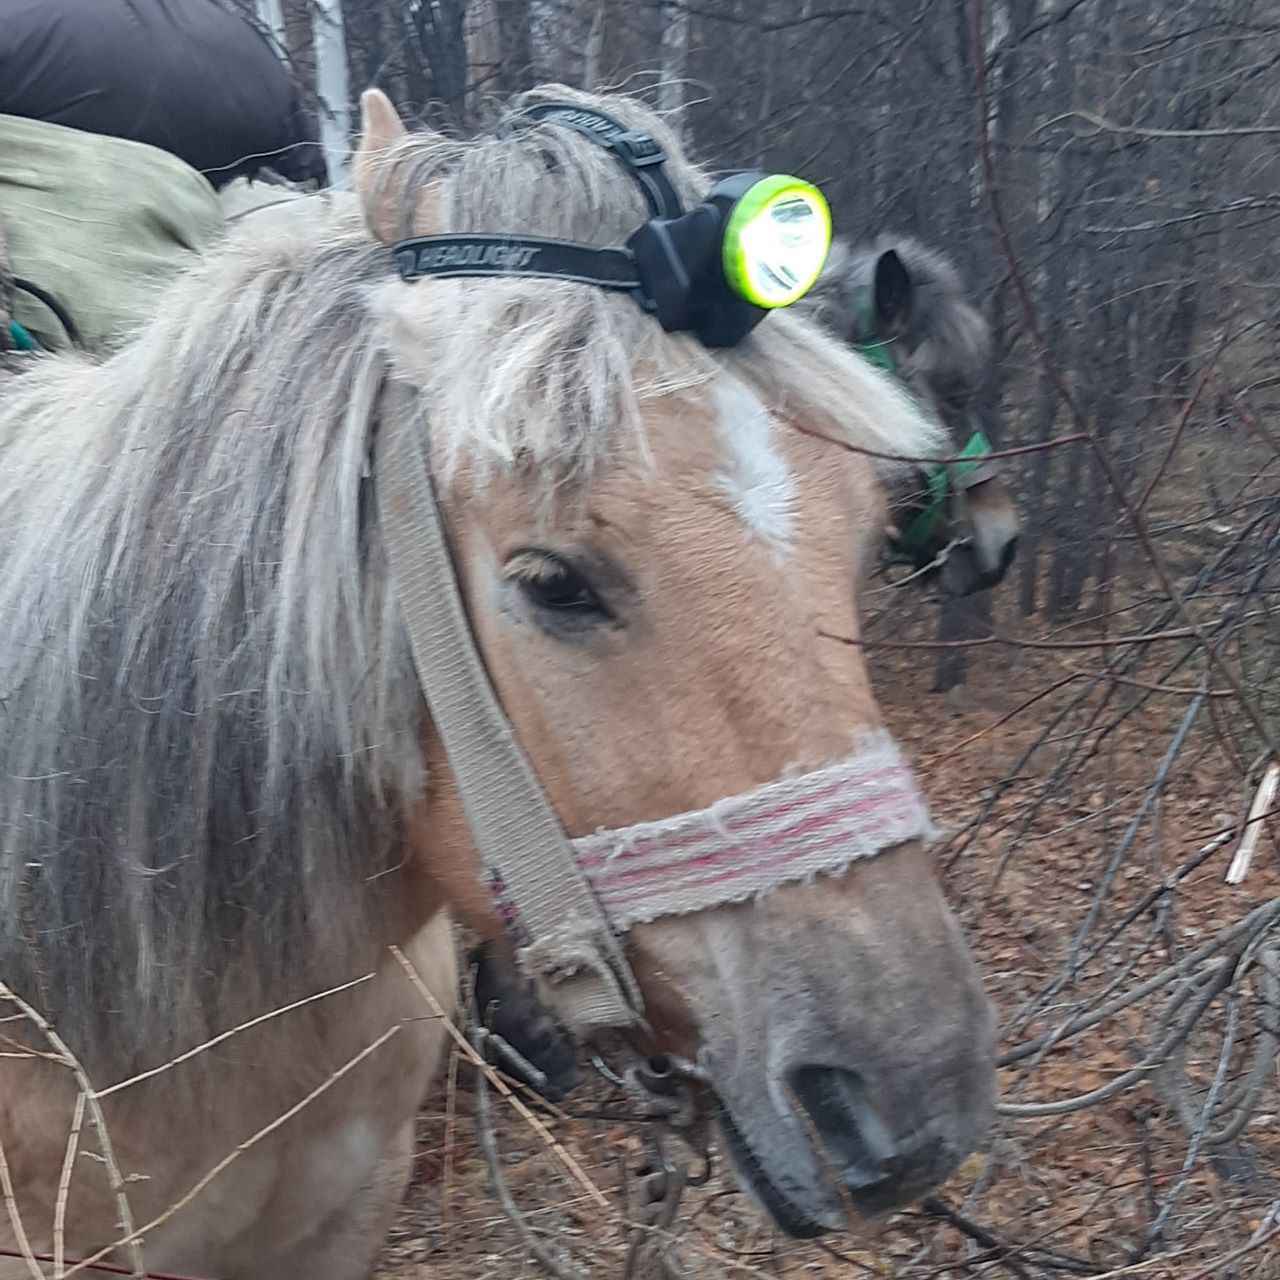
(574,953)
(946,480)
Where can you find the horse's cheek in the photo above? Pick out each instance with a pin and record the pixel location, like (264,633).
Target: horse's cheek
(445,870)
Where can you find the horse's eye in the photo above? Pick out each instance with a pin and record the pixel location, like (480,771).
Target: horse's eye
(552,584)
(563,588)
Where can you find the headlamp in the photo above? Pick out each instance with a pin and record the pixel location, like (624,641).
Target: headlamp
(776,239)
(757,242)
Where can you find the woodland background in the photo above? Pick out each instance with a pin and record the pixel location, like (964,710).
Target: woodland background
(1104,175)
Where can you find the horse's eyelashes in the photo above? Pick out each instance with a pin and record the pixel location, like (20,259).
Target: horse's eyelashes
(553,585)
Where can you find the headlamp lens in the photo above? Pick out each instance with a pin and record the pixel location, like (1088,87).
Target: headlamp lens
(776,240)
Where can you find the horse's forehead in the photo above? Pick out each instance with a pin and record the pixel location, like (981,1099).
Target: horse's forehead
(755,475)
(701,456)
(729,443)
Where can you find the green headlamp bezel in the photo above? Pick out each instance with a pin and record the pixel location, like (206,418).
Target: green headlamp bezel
(741,267)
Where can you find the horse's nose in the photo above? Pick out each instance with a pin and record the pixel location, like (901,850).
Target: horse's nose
(856,1140)
(877,1170)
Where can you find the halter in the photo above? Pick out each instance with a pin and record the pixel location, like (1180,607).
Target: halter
(569,902)
(879,351)
(742,847)
(946,482)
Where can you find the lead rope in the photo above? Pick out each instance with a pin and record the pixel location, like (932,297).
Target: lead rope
(573,951)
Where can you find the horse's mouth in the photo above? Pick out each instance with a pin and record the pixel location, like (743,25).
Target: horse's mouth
(786,1214)
(828,1206)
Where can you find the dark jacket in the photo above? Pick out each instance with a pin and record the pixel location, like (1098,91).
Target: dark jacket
(187,76)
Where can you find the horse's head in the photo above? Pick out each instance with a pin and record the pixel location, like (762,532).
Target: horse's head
(654,564)
(903,307)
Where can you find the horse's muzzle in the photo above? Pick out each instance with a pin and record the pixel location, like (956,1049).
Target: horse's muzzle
(855,1157)
(976,566)
(853,1051)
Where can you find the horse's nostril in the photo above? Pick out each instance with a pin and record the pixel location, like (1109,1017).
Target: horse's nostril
(855,1138)
(1008,552)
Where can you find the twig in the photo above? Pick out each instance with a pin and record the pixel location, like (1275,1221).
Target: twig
(937,1207)
(107,1268)
(226,1035)
(1016,642)
(1156,1229)
(1263,799)
(64,1187)
(1244,1100)
(1139,131)
(15,1217)
(236,1152)
(1218,982)
(559,1267)
(1153,793)
(450,1130)
(1013,451)
(115,1179)
(1257,921)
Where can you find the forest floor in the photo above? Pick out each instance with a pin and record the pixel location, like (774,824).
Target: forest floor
(1057,1196)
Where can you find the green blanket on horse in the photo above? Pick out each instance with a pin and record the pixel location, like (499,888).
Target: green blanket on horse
(99,224)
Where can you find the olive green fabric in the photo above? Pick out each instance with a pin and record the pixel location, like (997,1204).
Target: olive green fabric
(100,223)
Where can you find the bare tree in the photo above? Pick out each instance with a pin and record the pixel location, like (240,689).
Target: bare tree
(332,87)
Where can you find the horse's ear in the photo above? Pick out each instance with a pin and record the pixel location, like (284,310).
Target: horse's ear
(893,289)
(380,129)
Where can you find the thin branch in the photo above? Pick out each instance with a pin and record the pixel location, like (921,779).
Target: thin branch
(115,1179)
(1140,131)
(238,1150)
(469,1052)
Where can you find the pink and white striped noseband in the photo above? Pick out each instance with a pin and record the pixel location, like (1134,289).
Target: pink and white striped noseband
(785,831)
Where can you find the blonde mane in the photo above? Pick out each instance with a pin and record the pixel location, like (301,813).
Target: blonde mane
(209,723)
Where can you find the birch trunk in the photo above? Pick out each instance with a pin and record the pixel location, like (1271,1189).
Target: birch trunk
(330,42)
(271,15)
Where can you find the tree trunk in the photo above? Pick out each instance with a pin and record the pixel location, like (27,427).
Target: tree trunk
(515,71)
(674,49)
(271,15)
(593,50)
(330,43)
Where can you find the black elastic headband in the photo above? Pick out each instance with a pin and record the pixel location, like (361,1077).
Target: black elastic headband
(669,263)
(493,255)
(639,153)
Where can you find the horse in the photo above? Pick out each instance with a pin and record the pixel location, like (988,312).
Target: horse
(903,306)
(233,842)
